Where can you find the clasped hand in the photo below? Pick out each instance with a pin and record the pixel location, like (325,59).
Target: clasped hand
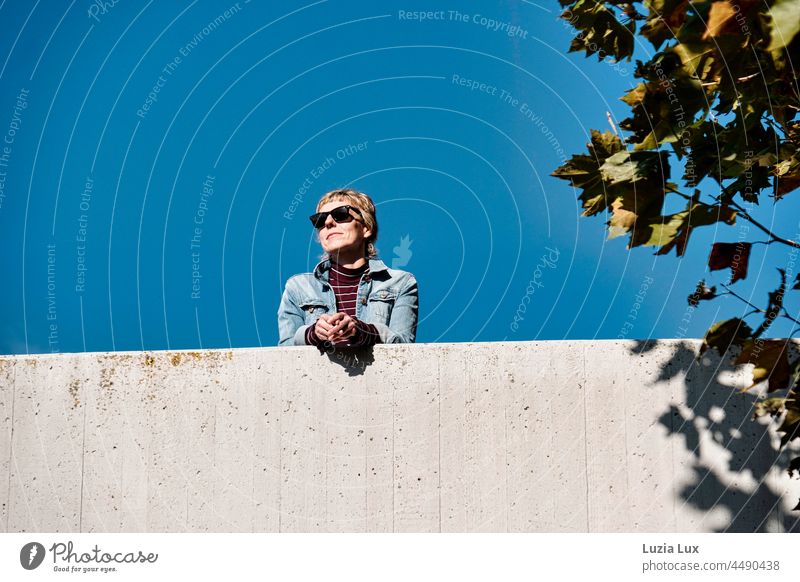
(335,327)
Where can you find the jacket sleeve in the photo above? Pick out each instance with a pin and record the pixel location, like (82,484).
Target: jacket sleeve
(366,335)
(402,326)
(291,321)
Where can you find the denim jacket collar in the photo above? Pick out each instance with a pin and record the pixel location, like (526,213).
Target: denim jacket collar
(321,271)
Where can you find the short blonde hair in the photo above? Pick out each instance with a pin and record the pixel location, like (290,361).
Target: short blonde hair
(367,207)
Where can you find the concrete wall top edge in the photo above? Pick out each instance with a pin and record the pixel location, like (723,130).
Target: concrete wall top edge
(379,348)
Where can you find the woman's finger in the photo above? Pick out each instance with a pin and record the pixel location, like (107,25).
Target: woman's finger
(341,324)
(348,330)
(323,329)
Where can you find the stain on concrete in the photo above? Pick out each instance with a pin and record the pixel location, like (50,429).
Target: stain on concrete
(105,378)
(214,358)
(73,391)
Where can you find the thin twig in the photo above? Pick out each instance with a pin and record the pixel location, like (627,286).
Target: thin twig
(775,125)
(760,226)
(678,192)
(757,309)
(746,216)
(787,316)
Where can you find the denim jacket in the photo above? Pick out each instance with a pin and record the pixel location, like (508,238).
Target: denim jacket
(387,298)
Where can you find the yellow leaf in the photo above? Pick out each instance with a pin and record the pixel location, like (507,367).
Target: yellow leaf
(622,220)
(718,17)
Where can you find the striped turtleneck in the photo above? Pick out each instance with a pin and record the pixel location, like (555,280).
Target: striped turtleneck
(345,282)
(345,286)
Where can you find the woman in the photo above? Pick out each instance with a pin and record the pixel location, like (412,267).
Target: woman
(351,298)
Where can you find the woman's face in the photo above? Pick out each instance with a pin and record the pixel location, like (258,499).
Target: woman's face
(344,237)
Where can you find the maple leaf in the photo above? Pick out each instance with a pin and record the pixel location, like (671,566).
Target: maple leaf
(583,171)
(724,334)
(783,23)
(673,231)
(770,363)
(730,255)
(719,16)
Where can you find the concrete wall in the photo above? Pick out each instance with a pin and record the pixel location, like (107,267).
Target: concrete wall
(549,436)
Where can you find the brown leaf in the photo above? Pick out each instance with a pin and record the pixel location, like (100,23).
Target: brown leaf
(787,176)
(702,293)
(733,255)
(786,184)
(770,360)
(724,334)
(719,16)
(774,306)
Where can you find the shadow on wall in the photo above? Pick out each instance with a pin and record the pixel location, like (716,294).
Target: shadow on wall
(354,361)
(732,453)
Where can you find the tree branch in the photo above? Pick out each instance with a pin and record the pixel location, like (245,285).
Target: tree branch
(740,298)
(775,126)
(760,226)
(746,216)
(757,309)
(678,192)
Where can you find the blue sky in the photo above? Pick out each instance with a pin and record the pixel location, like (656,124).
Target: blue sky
(157,146)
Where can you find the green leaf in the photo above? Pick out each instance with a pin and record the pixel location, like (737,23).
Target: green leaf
(633,166)
(673,231)
(583,171)
(783,22)
(664,19)
(632,185)
(599,31)
(665,105)
(640,178)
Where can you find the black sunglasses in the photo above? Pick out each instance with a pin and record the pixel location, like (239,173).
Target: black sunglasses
(340,214)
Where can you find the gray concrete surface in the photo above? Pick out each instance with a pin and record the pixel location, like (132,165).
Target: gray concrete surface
(556,436)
